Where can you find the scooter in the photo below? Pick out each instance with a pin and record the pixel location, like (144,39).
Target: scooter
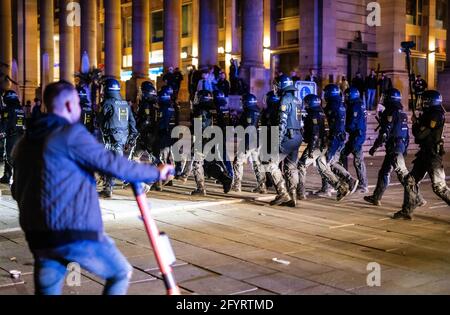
(160,242)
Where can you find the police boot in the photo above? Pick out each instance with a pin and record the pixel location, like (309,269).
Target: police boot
(342,192)
(373,200)
(325,191)
(5,179)
(220,174)
(261,189)
(403,215)
(293,202)
(282,197)
(301,193)
(226,182)
(106,193)
(237,185)
(199,192)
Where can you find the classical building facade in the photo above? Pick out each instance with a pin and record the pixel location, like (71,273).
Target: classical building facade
(44,40)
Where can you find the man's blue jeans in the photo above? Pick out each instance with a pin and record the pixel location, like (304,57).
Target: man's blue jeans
(101,258)
(370,102)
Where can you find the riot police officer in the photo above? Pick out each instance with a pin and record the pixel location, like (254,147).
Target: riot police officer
(356,126)
(290,139)
(394,133)
(147,123)
(316,136)
(335,113)
(87,114)
(12,128)
(224,120)
(249,120)
(166,122)
(269,120)
(203,107)
(118,125)
(428,131)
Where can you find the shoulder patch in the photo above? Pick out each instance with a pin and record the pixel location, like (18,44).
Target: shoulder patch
(433,124)
(283,108)
(389,118)
(355,114)
(315,122)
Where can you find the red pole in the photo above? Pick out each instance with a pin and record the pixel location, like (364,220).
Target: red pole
(154,236)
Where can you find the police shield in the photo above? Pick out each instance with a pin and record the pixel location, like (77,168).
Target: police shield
(305,88)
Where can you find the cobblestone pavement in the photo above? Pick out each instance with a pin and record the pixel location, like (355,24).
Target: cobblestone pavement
(238,244)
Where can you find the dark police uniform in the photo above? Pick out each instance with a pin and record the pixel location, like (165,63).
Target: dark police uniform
(290,139)
(316,136)
(394,133)
(203,109)
(118,125)
(249,147)
(356,126)
(428,131)
(12,127)
(166,122)
(224,120)
(87,114)
(336,114)
(146,120)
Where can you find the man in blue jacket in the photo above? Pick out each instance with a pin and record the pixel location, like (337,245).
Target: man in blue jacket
(55,188)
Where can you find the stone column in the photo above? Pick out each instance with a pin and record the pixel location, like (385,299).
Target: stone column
(89,24)
(252,64)
(113,38)
(231,34)
(66,43)
(252,33)
(47,42)
(208,32)
(27,48)
(318,49)
(172,33)
(389,37)
(141,47)
(6,36)
(141,38)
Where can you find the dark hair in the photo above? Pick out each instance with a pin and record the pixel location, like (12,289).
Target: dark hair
(53,90)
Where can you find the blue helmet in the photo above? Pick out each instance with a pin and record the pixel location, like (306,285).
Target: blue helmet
(393,96)
(112,87)
(431,98)
(10,96)
(352,94)
(312,101)
(165,94)
(286,84)
(332,92)
(249,101)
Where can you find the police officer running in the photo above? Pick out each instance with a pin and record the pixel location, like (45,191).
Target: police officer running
(428,131)
(316,136)
(394,133)
(203,107)
(250,118)
(290,139)
(335,112)
(118,126)
(356,126)
(12,128)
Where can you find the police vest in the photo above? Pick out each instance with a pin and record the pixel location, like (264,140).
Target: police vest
(251,117)
(120,118)
(400,129)
(293,106)
(87,119)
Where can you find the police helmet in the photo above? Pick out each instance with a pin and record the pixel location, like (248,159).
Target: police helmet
(112,86)
(352,94)
(10,96)
(204,96)
(393,96)
(249,101)
(286,84)
(312,101)
(165,94)
(148,90)
(431,98)
(272,98)
(332,92)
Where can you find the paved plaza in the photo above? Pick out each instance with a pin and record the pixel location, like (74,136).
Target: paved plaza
(237,244)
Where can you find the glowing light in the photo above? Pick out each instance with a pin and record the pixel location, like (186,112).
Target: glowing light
(221,50)
(184,55)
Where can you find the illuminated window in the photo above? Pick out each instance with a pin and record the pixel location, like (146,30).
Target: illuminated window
(186,27)
(287,8)
(414,10)
(441,14)
(128,32)
(157,26)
